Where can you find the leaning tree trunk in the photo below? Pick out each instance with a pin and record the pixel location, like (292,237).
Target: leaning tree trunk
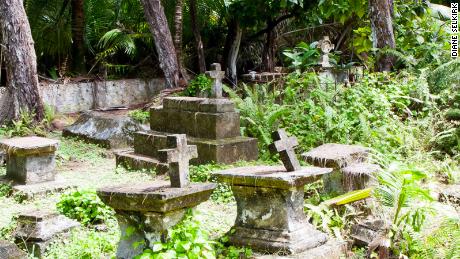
(78,33)
(197,35)
(382,30)
(18,48)
(155,15)
(235,34)
(178,25)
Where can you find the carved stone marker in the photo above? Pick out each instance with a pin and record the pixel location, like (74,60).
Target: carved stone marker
(30,159)
(270,201)
(37,229)
(284,145)
(216,74)
(351,169)
(178,157)
(146,211)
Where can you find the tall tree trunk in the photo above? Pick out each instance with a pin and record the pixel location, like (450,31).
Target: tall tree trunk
(155,15)
(78,34)
(380,12)
(178,25)
(197,35)
(22,79)
(268,55)
(235,33)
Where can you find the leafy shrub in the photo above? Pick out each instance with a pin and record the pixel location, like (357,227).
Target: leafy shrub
(84,206)
(202,173)
(5,190)
(139,116)
(379,111)
(303,55)
(185,240)
(24,126)
(200,85)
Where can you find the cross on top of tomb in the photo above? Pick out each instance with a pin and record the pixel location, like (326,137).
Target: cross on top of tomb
(284,145)
(216,74)
(178,156)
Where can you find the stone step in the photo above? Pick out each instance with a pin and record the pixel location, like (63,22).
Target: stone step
(148,144)
(133,161)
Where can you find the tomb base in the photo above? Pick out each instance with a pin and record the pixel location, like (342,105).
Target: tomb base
(133,161)
(270,215)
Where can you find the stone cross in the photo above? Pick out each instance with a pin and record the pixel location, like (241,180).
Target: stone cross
(178,156)
(326,46)
(216,74)
(284,145)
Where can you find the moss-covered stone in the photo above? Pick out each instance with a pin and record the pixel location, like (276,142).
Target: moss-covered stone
(453,115)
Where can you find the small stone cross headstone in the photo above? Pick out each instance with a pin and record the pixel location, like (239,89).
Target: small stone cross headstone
(178,156)
(216,74)
(326,46)
(284,145)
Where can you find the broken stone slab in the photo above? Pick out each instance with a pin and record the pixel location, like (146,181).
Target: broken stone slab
(450,194)
(270,203)
(30,159)
(105,129)
(11,251)
(39,190)
(363,233)
(147,210)
(359,176)
(37,229)
(131,160)
(337,156)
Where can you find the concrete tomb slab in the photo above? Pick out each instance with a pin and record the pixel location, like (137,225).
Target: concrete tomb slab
(37,229)
(352,171)
(146,211)
(30,159)
(104,129)
(11,251)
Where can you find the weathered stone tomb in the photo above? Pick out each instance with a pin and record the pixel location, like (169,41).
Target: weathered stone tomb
(352,171)
(212,124)
(270,201)
(146,211)
(37,229)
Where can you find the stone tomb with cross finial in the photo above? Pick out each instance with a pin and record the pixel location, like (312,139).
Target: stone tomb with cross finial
(146,211)
(270,201)
(212,124)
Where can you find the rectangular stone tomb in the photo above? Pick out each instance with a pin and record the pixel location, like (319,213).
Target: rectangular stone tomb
(270,215)
(351,170)
(30,159)
(37,229)
(213,125)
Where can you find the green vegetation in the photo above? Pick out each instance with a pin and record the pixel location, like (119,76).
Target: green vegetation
(84,206)
(200,85)
(139,116)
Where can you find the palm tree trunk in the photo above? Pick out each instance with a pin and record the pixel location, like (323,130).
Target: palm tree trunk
(155,16)
(380,12)
(178,25)
(78,33)
(268,55)
(197,35)
(232,48)
(21,66)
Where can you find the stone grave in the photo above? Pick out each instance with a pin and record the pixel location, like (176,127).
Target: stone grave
(270,201)
(30,165)
(37,229)
(146,211)
(352,171)
(107,129)
(11,251)
(212,124)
